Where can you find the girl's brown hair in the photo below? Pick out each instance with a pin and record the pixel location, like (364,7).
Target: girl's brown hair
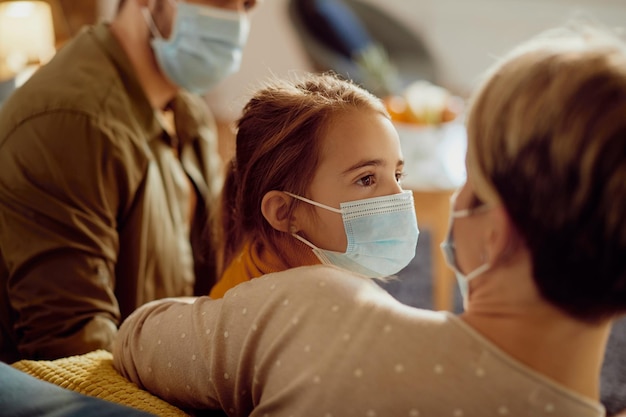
(278,148)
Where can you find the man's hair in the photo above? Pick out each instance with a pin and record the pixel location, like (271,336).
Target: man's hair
(547,138)
(278,148)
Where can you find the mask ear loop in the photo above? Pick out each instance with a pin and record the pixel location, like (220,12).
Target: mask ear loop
(316,251)
(470,211)
(154,30)
(315,203)
(151,23)
(320,255)
(478,271)
(303,240)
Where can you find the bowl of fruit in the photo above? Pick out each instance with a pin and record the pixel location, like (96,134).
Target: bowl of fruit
(429,121)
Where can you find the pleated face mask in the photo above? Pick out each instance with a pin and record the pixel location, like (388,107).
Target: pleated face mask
(449,251)
(381,232)
(205,46)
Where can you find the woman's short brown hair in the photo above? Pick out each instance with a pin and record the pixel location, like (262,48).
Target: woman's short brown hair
(547,139)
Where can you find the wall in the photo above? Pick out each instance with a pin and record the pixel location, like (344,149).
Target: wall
(272,50)
(464,37)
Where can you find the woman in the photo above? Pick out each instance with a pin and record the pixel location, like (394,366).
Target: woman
(537,236)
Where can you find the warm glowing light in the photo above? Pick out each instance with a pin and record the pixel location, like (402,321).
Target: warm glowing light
(26,34)
(19,9)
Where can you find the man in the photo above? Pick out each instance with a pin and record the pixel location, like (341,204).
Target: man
(108,174)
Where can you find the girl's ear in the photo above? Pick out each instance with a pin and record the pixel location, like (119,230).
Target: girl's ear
(275,209)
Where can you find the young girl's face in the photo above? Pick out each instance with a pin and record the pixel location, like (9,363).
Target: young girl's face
(360,158)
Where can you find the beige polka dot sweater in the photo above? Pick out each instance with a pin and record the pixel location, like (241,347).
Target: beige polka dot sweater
(318,341)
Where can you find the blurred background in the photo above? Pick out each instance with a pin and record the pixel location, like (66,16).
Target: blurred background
(453,41)
(423,57)
(383,44)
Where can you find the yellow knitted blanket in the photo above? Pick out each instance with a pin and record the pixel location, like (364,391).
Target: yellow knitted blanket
(93,374)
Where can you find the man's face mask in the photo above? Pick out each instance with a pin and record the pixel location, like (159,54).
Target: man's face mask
(205,46)
(449,251)
(381,233)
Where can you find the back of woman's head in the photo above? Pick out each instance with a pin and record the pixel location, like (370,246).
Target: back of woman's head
(547,139)
(278,147)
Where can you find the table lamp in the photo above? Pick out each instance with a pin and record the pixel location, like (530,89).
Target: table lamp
(26,41)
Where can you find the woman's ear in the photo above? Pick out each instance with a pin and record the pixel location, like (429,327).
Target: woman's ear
(275,209)
(502,237)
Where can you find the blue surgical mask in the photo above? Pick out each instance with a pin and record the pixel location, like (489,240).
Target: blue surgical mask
(449,252)
(205,46)
(381,233)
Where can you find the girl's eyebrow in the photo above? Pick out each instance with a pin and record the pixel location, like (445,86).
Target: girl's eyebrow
(370,162)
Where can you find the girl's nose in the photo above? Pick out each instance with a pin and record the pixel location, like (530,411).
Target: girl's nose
(396,188)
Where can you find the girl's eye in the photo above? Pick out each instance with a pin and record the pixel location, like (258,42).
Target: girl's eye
(366,181)
(400,175)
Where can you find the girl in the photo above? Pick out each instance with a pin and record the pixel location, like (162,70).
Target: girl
(315,179)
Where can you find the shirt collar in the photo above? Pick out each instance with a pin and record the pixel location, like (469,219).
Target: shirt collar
(190,113)
(141,108)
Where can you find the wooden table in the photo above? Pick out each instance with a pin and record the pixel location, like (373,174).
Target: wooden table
(433,209)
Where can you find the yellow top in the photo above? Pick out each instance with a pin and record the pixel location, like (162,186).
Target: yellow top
(258,258)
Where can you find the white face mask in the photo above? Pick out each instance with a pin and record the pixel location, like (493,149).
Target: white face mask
(381,233)
(205,46)
(449,252)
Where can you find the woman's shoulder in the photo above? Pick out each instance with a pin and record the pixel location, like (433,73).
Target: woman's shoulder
(319,278)
(322,288)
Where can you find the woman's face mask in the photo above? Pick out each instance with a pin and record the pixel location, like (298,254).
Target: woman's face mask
(381,234)
(205,46)
(449,251)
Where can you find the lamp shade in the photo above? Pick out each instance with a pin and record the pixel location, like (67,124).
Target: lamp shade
(26,33)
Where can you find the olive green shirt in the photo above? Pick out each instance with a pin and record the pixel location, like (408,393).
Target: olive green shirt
(97,211)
